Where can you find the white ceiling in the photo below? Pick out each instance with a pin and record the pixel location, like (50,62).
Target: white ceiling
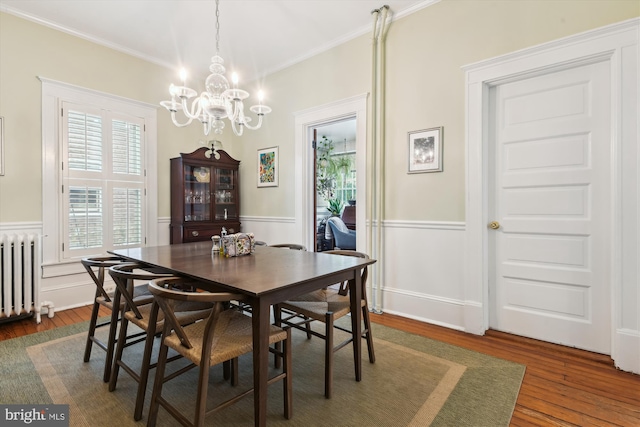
(257,37)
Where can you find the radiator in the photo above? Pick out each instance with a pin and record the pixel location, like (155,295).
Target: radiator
(20,262)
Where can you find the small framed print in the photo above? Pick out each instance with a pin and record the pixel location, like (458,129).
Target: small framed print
(268,167)
(425,150)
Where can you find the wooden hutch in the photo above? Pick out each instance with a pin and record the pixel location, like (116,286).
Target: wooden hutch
(205,196)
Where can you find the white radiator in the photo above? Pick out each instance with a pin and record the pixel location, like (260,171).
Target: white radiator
(20,263)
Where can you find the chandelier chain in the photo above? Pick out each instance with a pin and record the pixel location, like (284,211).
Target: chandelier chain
(217,27)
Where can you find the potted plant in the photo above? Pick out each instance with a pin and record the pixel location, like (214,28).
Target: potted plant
(335,207)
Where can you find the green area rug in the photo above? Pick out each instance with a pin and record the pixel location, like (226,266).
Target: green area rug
(414,382)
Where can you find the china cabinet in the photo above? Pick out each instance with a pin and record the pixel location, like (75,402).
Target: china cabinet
(204,196)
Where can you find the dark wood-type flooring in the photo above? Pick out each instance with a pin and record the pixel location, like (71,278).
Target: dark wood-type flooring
(562,386)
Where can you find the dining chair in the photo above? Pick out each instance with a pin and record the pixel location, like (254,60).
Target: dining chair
(293,246)
(146,318)
(223,336)
(96,267)
(327,305)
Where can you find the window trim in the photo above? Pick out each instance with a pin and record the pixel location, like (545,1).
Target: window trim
(53,94)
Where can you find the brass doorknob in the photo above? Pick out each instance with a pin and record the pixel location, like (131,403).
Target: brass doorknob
(494,225)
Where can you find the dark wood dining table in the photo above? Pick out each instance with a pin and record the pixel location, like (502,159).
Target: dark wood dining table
(267,276)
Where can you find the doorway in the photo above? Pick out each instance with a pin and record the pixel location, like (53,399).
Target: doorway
(307,120)
(335,180)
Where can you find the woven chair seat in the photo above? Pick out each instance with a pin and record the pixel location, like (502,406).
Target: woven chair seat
(232,338)
(317,304)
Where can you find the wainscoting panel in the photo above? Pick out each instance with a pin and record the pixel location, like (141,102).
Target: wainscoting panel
(424,271)
(272,230)
(422,266)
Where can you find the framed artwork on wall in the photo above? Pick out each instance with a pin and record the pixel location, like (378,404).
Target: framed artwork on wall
(425,150)
(268,167)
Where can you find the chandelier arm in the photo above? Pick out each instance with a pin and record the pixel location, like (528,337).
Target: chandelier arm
(235,130)
(257,126)
(175,121)
(195,110)
(236,107)
(206,128)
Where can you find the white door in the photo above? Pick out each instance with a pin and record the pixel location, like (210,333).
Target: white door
(549,181)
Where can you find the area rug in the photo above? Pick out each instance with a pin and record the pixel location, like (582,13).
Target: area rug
(415,381)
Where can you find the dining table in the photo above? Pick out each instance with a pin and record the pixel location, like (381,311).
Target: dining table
(267,276)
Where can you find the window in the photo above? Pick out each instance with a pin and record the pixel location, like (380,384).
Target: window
(103,180)
(346,180)
(99,154)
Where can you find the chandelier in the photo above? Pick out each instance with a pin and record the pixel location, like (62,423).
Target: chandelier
(217,102)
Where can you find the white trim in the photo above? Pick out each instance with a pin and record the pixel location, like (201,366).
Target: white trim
(170,65)
(366,29)
(305,120)
(18,227)
(433,225)
(89,37)
(53,93)
(618,44)
(272,219)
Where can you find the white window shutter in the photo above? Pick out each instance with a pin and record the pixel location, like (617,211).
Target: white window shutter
(104,201)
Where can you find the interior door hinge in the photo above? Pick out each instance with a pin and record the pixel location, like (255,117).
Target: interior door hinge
(313,145)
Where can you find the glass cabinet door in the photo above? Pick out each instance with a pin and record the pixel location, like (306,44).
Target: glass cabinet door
(225,194)
(197,193)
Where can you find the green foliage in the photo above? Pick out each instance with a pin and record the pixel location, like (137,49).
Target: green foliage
(329,167)
(335,206)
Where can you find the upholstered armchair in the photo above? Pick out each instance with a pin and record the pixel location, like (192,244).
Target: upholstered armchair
(344,238)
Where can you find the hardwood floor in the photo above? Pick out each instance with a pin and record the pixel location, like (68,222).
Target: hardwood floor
(562,386)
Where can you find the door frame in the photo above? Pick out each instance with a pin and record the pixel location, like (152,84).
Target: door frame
(305,121)
(618,46)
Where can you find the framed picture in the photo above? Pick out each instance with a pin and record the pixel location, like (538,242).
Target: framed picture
(268,167)
(1,145)
(425,150)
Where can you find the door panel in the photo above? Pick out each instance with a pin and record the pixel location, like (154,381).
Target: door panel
(551,171)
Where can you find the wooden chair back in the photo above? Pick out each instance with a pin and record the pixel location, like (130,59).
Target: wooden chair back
(166,297)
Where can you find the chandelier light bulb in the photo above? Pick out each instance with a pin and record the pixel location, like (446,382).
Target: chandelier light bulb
(219,101)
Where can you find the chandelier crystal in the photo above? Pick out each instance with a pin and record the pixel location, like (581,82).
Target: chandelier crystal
(219,101)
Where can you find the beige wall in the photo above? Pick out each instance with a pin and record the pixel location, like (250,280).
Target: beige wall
(28,50)
(425,88)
